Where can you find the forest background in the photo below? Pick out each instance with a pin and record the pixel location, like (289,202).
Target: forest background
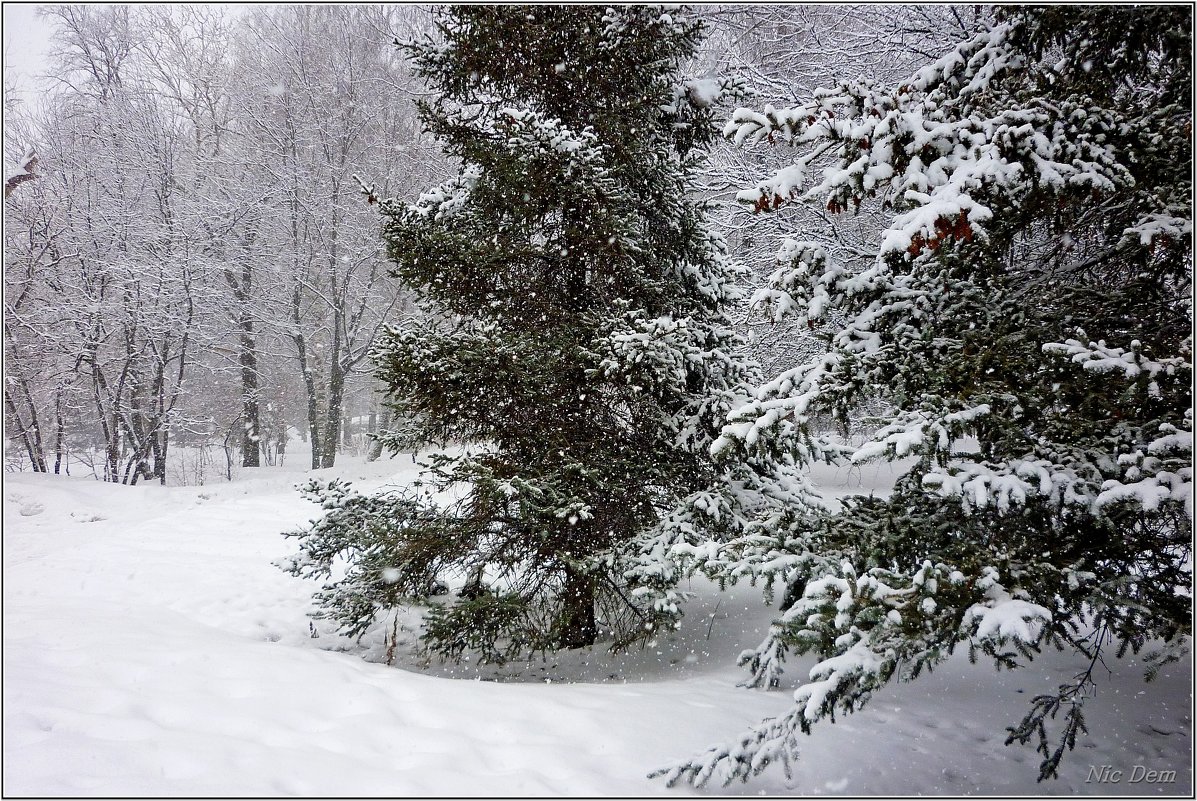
(195,271)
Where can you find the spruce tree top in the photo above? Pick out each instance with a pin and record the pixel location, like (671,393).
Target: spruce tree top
(572,131)
(569,225)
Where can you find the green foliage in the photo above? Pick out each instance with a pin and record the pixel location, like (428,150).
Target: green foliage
(575,347)
(1027,318)
(392,545)
(494,627)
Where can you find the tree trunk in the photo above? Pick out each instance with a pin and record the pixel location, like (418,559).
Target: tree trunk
(159,448)
(112,451)
(576,625)
(23,430)
(309,384)
(109,424)
(314,426)
(139,430)
(158,430)
(376,444)
(250,411)
(30,433)
(332,420)
(794,592)
(59,431)
(39,449)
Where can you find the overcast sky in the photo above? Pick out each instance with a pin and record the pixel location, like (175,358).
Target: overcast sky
(25,43)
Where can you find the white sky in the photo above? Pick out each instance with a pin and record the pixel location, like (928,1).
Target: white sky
(25,43)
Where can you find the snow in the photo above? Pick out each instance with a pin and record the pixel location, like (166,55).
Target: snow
(704,92)
(1101,358)
(1158,226)
(151,648)
(953,149)
(1004,616)
(450,197)
(26,166)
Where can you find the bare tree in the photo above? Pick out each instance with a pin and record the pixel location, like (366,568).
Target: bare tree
(185,56)
(327,99)
(109,285)
(192,229)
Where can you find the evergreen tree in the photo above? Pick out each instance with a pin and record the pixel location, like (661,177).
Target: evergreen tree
(1027,317)
(577,346)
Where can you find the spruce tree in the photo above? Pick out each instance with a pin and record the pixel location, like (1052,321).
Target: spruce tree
(1026,315)
(576,363)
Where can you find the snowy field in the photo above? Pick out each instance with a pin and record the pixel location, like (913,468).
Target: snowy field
(152,649)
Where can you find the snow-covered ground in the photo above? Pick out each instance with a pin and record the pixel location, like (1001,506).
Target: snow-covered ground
(152,649)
